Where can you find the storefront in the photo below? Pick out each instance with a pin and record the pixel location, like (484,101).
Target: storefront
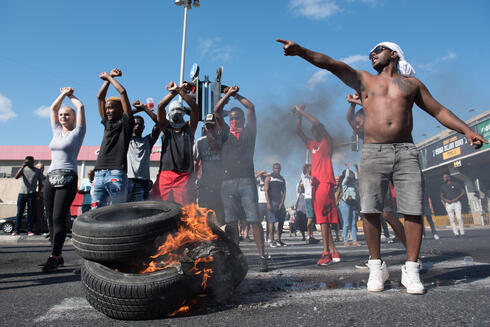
(450,153)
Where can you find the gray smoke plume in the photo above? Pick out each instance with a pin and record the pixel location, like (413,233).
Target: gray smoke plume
(277,140)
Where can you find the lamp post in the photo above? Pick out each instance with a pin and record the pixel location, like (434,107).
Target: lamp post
(187,5)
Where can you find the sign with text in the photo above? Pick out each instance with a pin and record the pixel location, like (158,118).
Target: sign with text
(451,148)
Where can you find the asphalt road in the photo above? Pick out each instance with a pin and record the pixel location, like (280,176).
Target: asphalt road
(295,292)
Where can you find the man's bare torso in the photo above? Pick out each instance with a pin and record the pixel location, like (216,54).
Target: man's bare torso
(387,102)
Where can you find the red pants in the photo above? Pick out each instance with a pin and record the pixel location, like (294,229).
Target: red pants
(324,203)
(172,185)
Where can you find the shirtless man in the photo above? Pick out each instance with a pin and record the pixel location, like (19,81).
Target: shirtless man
(388,153)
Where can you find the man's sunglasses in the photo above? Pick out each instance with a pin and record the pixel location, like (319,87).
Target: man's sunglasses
(377,50)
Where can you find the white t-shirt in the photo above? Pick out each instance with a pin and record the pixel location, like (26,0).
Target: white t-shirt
(306,181)
(261,191)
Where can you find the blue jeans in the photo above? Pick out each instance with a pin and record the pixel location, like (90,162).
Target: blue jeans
(349,219)
(240,192)
(109,183)
(138,189)
(22,200)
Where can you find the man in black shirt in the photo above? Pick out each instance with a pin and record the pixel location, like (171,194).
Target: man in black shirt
(450,195)
(275,193)
(176,162)
(238,187)
(111,166)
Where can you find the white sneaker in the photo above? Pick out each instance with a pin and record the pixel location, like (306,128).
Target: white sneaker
(378,275)
(411,278)
(436,237)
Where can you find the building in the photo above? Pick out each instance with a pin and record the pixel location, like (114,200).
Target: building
(450,153)
(12,157)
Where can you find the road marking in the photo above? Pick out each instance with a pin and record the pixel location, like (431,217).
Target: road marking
(72,308)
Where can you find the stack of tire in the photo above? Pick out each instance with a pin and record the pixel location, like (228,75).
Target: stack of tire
(115,241)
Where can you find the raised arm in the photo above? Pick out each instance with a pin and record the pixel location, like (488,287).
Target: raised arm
(316,124)
(126,105)
(251,117)
(173,90)
(102,94)
(139,107)
(194,107)
(218,108)
(344,72)
(353,100)
(299,129)
(55,106)
(80,109)
(446,117)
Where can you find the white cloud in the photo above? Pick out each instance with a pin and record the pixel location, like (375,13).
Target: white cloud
(213,49)
(318,77)
(316,9)
(42,111)
(321,75)
(6,111)
(429,66)
(355,59)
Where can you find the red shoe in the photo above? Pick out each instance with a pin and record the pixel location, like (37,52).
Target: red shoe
(336,257)
(325,259)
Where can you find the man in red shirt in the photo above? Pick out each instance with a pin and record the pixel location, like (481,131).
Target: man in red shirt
(322,181)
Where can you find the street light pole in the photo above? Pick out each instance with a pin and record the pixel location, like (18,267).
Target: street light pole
(184,35)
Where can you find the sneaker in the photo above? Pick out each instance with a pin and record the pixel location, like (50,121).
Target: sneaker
(263,264)
(51,265)
(411,278)
(389,240)
(30,234)
(274,244)
(356,243)
(325,259)
(336,257)
(378,275)
(15,233)
(436,237)
(362,265)
(281,243)
(312,240)
(61,262)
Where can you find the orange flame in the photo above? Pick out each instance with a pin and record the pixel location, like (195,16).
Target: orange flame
(206,272)
(194,228)
(183,309)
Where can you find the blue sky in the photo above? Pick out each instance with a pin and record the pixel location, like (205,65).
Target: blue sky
(50,44)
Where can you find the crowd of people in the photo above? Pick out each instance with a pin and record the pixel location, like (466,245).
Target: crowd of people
(217,170)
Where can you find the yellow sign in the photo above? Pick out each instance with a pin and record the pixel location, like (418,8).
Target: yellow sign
(452,139)
(451,153)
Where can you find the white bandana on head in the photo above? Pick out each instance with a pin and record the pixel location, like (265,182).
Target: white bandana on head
(404,68)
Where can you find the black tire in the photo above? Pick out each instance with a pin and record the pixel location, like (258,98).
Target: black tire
(122,231)
(135,296)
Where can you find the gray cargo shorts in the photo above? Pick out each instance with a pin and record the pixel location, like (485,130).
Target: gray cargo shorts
(395,162)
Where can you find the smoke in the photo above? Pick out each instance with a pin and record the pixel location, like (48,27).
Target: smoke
(277,140)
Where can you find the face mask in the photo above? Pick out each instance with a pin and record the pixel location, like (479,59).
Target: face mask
(236,125)
(176,119)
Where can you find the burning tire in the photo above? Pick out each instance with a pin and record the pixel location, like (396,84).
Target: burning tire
(122,231)
(135,296)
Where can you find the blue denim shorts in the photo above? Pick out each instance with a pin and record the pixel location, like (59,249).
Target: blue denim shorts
(395,162)
(276,215)
(240,192)
(310,213)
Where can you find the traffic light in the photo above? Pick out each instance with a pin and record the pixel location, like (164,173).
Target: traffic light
(195,93)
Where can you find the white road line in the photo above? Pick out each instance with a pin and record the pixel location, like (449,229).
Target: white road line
(72,309)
